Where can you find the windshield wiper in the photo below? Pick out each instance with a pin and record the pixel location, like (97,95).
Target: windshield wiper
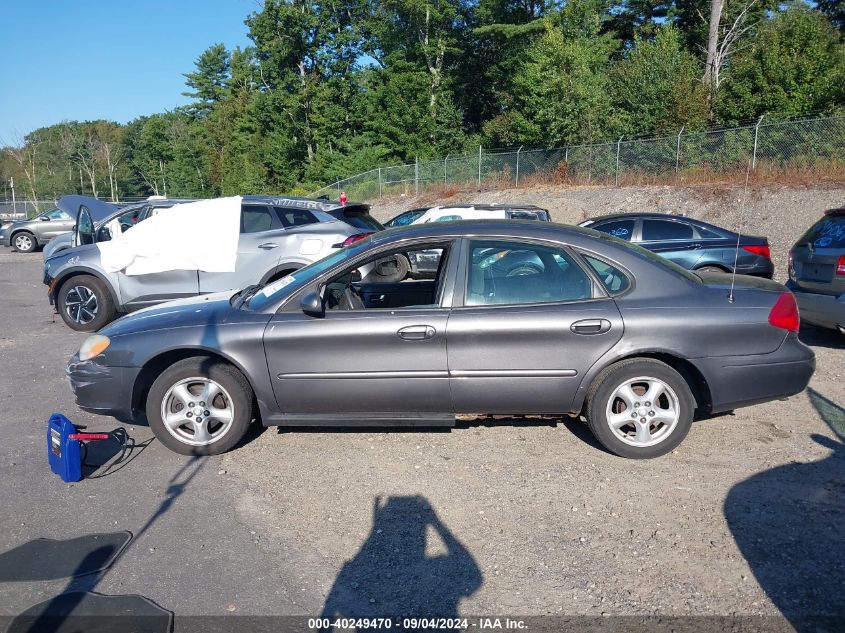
(241,297)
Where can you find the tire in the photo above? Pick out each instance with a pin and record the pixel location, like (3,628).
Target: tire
(662,431)
(222,431)
(522,270)
(85,303)
(392,274)
(711,269)
(24,242)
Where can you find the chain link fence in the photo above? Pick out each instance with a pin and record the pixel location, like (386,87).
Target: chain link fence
(808,146)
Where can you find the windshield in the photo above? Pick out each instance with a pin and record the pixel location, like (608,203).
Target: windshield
(275,291)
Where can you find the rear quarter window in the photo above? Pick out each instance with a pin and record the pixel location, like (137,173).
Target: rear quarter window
(613,279)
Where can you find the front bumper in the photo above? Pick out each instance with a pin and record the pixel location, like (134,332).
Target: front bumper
(6,238)
(741,381)
(101,389)
(826,311)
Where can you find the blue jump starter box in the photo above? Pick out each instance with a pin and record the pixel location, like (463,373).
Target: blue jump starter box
(63,450)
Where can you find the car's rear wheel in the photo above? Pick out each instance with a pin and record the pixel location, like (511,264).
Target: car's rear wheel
(640,408)
(85,303)
(710,269)
(200,406)
(24,242)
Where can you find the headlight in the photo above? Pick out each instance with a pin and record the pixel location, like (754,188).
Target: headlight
(93,346)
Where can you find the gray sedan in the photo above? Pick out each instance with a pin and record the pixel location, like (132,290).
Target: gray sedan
(27,235)
(599,328)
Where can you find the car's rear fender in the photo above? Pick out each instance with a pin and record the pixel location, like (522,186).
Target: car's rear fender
(708,325)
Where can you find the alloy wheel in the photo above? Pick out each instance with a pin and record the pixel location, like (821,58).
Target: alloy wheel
(81,304)
(197,411)
(23,242)
(643,411)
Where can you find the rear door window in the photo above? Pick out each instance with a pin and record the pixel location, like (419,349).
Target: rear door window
(623,229)
(511,273)
(255,218)
(295,217)
(829,232)
(661,230)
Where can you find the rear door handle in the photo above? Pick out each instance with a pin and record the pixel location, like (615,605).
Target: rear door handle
(590,326)
(268,246)
(416,332)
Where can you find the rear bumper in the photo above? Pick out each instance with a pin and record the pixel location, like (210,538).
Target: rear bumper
(101,389)
(761,268)
(741,381)
(826,311)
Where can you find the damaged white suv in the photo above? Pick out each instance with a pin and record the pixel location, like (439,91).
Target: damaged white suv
(277,236)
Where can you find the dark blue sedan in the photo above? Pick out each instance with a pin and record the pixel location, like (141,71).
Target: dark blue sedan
(690,243)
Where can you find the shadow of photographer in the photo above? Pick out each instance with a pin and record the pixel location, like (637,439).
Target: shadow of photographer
(789,524)
(410,565)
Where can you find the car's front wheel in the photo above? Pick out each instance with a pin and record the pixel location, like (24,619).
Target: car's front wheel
(24,242)
(85,303)
(640,408)
(200,406)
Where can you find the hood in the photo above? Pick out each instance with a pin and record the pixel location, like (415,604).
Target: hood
(99,209)
(86,253)
(211,309)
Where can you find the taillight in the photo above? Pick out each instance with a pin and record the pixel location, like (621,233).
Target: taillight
(351,240)
(784,313)
(840,265)
(762,251)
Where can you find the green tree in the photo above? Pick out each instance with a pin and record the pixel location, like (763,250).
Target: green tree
(560,92)
(796,66)
(210,79)
(657,87)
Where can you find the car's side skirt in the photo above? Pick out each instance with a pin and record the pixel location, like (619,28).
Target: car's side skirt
(374,419)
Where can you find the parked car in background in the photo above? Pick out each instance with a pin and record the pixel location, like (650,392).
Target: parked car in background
(690,243)
(636,343)
(405,218)
(278,235)
(817,272)
(424,264)
(27,235)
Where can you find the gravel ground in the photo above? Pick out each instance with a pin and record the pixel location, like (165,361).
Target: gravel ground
(780,213)
(496,516)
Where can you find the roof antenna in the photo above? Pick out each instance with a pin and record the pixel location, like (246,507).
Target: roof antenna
(739,230)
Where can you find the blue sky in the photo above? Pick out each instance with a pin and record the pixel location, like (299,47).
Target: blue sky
(117,59)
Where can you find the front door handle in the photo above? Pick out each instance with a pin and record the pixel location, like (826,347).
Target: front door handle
(590,326)
(416,333)
(268,246)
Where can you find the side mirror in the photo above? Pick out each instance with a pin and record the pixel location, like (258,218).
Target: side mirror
(312,305)
(43,218)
